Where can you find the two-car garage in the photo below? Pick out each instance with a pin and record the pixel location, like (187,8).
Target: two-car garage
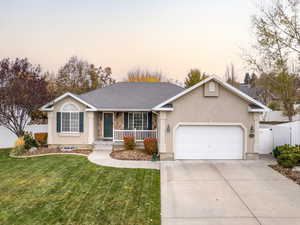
(209,142)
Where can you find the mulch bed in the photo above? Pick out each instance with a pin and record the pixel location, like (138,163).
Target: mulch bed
(130,155)
(41,151)
(293,175)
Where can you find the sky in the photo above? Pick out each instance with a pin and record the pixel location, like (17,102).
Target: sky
(171,36)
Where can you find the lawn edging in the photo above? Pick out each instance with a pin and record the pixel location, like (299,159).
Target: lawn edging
(31,156)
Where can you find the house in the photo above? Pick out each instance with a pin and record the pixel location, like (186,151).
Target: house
(211,120)
(259,93)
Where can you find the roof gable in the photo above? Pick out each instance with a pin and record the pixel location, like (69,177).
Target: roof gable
(160,107)
(48,106)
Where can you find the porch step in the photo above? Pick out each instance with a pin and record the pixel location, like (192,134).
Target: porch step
(103,145)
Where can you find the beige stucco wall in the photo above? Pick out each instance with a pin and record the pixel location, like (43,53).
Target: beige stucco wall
(195,108)
(71,139)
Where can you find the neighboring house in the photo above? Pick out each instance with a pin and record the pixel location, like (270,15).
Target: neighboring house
(259,93)
(211,120)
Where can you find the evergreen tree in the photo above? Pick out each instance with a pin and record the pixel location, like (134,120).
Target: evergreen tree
(193,77)
(247,78)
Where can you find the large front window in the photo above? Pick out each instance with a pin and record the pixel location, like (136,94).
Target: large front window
(70,119)
(138,120)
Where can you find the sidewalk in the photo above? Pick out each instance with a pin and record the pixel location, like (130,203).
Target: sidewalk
(102,158)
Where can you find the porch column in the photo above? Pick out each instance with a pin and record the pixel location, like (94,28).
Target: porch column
(256,132)
(91,129)
(162,132)
(51,128)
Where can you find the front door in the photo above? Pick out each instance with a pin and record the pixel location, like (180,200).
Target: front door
(108,125)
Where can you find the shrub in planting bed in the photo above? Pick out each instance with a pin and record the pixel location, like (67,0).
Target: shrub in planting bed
(287,156)
(150,145)
(41,138)
(129,142)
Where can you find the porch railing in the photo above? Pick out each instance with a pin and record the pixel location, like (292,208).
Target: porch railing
(139,135)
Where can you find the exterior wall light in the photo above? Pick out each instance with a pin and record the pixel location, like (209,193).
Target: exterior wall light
(252,131)
(168,128)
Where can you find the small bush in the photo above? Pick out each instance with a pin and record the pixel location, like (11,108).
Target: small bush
(29,141)
(287,156)
(20,141)
(150,145)
(276,152)
(18,150)
(129,142)
(287,160)
(284,149)
(41,138)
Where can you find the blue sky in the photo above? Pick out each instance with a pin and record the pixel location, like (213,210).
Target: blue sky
(172,36)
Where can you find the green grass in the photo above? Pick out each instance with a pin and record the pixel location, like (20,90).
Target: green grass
(70,190)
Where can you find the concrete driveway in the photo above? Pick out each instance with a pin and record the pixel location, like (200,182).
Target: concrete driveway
(227,193)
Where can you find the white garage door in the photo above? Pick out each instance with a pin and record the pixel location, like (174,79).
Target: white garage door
(209,142)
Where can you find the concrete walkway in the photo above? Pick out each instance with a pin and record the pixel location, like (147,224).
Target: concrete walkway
(101,157)
(227,193)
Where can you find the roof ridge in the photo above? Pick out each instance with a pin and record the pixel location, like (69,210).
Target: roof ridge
(128,82)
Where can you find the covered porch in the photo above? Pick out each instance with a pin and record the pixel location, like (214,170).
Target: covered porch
(113,126)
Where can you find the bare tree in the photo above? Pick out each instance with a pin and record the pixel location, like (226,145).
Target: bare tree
(79,76)
(230,75)
(277,47)
(22,91)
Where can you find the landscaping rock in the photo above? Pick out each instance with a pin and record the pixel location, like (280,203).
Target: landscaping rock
(290,173)
(32,149)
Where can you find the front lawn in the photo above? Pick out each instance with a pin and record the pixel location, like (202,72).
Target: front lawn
(70,190)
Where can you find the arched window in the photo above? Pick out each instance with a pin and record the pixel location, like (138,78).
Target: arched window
(69,118)
(69,107)
(212,87)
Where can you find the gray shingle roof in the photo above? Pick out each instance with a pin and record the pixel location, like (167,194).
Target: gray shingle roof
(253,92)
(131,95)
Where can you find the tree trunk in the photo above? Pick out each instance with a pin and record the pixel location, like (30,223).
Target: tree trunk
(20,133)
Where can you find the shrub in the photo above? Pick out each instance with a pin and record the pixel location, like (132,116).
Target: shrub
(284,149)
(19,148)
(29,141)
(287,156)
(150,145)
(129,142)
(276,152)
(41,138)
(288,160)
(20,141)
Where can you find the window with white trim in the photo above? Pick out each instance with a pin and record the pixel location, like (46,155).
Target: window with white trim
(70,118)
(138,120)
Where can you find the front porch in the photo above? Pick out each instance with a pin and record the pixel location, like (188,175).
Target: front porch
(113,126)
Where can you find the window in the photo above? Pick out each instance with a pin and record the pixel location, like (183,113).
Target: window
(69,119)
(138,120)
(212,87)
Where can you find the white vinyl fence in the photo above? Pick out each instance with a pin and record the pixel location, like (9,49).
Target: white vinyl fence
(276,135)
(7,138)
(265,140)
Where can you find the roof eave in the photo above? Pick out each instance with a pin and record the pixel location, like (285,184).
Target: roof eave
(224,84)
(118,110)
(163,109)
(45,107)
